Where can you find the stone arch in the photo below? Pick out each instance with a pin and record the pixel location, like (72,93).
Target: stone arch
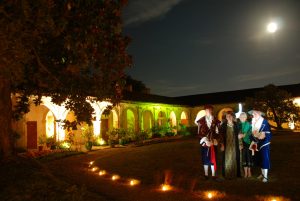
(222,112)
(147,120)
(130,118)
(37,114)
(173,121)
(161,118)
(184,118)
(113,120)
(76,130)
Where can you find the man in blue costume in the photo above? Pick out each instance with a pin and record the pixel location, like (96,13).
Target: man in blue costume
(208,133)
(261,137)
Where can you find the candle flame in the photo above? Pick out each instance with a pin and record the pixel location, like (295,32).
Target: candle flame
(115,177)
(165,187)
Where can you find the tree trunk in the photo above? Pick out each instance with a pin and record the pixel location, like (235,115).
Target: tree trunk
(6,148)
(277,120)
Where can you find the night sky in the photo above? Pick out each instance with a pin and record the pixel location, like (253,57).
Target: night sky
(183,47)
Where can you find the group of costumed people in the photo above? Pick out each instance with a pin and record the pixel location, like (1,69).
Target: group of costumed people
(235,139)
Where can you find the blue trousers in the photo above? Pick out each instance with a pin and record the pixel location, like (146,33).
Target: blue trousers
(264,154)
(206,155)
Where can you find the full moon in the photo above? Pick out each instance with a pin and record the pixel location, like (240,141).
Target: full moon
(272,27)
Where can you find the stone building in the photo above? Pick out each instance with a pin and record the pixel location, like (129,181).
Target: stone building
(138,112)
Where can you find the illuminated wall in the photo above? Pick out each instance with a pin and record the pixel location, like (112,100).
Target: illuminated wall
(173,121)
(184,118)
(147,122)
(128,115)
(130,120)
(50,124)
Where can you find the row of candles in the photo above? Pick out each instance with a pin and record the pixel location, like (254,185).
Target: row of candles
(114,177)
(163,187)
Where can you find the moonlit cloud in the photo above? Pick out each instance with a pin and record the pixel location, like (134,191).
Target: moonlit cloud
(139,11)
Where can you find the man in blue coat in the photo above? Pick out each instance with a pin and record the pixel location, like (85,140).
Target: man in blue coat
(261,136)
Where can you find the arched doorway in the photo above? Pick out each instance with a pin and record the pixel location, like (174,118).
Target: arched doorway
(113,120)
(50,124)
(161,119)
(72,133)
(147,120)
(183,118)
(130,120)
(173,122)
(36,128)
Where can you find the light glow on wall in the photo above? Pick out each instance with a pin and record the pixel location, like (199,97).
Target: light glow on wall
(96,127)
(50,124)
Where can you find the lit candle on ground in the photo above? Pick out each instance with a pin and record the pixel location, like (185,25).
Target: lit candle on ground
(92,162)
(134,182)
(94,169)
(165,187)
(209,195)
(102,172)
(115,177)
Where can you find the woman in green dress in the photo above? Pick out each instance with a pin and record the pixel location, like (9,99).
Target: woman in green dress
(244,136)
(230,147)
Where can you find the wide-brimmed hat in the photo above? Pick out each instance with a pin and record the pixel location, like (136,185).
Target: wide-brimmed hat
(255,109)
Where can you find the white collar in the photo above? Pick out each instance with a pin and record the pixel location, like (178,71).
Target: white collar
(256,123)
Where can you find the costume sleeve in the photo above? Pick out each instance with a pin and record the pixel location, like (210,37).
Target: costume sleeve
(218,135)
(222,132)
(202,128)
(267,131)
(248,130)
(251,137)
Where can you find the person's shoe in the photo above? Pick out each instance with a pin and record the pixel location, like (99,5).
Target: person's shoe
(206,177)
(260,177)
(265,180)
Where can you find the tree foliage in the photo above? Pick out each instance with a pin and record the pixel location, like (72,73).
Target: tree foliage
(276,103)
(69,50)
(137,86)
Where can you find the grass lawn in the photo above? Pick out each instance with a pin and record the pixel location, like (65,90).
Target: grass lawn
(177,163)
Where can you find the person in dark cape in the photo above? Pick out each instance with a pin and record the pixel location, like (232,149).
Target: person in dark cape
(208,129)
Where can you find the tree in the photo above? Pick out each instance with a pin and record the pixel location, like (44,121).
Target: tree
(276,103)
(137,86)
(69,50)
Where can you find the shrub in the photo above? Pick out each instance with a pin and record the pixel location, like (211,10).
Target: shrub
(184,130)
